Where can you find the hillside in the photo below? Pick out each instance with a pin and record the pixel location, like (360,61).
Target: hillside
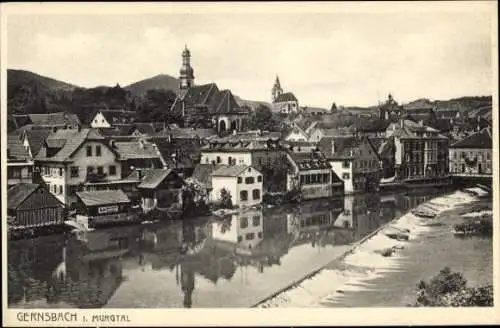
(162,81)
(17,78)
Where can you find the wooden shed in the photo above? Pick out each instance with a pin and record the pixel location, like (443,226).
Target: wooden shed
(104,207)
(31,205)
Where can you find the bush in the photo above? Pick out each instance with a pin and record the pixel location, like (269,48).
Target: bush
(449,288)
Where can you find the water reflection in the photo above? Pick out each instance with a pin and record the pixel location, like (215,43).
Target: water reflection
(85,271)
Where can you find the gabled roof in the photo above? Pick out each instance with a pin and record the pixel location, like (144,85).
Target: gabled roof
(64,142)
(15,148)
(103,197)
(230,170)
(36,139)
(202,173)
(481,139)
(284,97)
(18,193)
(152,178)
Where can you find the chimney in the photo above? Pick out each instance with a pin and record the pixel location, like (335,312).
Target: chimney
(421,123)
(333,146)
(141,143)
(234,132)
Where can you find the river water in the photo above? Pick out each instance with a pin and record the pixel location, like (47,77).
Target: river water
(235,261)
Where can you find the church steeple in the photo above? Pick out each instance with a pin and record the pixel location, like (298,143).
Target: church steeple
(186,77)
(277,90)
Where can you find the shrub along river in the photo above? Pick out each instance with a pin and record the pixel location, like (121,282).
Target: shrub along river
(242,259)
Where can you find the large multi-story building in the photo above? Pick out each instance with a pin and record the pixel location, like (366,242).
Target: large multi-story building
(420,152)
(473,155)
(70,158)
(354,160)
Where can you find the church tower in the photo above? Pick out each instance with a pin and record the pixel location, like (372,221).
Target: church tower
(276,91)
(186,77)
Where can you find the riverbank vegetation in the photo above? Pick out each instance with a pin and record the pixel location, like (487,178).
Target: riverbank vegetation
(450,288)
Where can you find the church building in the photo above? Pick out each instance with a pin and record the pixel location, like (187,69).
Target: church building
(283,102)
(205,106)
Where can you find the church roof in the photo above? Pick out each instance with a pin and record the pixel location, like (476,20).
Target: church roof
(284,97)
(208,96)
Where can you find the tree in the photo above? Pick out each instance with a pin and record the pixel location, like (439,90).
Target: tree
(155,106)
(263,119)
(449,288)
(334,108)
(225,197)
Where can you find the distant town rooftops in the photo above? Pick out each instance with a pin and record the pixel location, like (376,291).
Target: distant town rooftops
(480,140)
(51,119)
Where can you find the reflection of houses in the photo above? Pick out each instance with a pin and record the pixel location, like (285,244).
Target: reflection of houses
(243,182)
(31,205)
(354,160)
(19,161)
(472,156)
(361,213)
(312,173)
(95,208)
(245,231)
(205,105)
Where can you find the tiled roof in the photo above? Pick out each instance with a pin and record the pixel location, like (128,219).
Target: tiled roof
(18,193)
(284,97)
(116,131)
(481,139)
(187,133)
(102,197)
(230,170)
(153,177)
(135,149)
(310,160)
(52,119)
(207,96)
(187,151)
(66,142)
(15,148)
(202,173)
(342,147)
(36,138)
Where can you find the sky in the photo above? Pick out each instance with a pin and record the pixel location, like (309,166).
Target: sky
(349,57)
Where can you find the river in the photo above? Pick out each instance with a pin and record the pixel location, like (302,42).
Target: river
(209,262)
